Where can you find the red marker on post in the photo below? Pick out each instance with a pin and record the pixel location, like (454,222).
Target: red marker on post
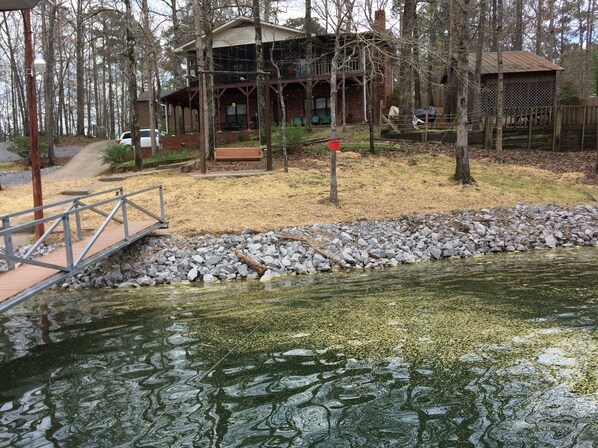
(334,145)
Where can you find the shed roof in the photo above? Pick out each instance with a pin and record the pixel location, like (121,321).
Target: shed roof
(513,62)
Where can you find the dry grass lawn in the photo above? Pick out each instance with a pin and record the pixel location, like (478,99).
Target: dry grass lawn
(370,187)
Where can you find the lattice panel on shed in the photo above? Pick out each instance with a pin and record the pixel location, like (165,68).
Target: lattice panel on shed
(520,95)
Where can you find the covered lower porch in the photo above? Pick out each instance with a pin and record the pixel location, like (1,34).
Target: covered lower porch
(236,105)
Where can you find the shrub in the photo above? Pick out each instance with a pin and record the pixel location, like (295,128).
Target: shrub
(21,146)
(295,137)
(116,154)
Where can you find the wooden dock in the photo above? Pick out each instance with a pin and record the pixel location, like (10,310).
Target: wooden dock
(34,275)
(18,281)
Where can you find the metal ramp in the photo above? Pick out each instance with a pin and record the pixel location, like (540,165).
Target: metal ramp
(27,276)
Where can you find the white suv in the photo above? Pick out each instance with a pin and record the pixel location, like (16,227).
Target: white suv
(145,138)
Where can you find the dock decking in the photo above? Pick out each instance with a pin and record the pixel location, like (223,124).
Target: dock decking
(16,283)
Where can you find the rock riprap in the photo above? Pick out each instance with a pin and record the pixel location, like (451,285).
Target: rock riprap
(362,244)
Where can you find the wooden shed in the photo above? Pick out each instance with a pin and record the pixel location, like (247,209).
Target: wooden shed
(530,81)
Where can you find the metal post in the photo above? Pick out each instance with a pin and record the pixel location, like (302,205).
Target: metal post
(33,131)
(68,243)
(8,249)
(162,214)
(123,204)
(78,219)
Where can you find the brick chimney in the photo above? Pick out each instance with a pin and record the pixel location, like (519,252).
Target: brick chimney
(380,21)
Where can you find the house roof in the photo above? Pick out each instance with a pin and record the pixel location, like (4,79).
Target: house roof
(513,62)
(12,5)
(144,96)
(240,31)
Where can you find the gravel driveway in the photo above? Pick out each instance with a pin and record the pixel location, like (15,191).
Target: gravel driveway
(8,178)
(6,155)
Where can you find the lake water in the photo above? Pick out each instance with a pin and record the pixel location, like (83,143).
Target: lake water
(495,351)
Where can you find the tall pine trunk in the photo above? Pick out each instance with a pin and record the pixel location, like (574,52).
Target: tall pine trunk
(406,58)
(309,56)
(259,66)
(80,74)
(500,85)
(477,96)
(333,101)
(150,63)
(462,171)
(49,55)
(132,85)
(199,50)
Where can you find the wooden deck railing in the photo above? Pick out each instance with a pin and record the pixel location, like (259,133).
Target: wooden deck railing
(556,128)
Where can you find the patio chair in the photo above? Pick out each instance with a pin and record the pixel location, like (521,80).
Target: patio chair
(315,120)
(297,121)
(325,119)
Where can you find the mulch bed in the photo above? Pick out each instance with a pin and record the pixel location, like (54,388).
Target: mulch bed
(556,162)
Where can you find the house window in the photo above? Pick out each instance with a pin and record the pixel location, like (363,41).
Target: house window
(320,107)
(236,114)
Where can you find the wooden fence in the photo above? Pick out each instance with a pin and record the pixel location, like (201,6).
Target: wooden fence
(561,128)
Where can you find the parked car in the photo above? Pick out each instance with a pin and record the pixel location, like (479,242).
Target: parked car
(144,137)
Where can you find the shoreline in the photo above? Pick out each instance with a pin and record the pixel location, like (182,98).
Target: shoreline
(357,245)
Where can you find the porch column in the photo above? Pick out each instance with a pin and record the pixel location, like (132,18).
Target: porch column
(174,120)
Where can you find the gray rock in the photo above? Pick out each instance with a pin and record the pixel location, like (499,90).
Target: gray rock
(480,229)
(213,260)
(324,267)
(192,274)
(254,247)
(270,250)
(268,276)
(435,253)
(209,278)
(346,254)
(243,270)
(267,260)
(550,241)
(300,269)
(145,281)
(318,260)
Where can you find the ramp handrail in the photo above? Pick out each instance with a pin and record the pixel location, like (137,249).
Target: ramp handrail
(64,201)
(75,208)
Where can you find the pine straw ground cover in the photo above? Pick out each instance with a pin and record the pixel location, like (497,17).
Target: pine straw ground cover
(372,187)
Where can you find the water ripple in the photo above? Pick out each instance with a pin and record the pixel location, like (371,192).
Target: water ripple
(119,364)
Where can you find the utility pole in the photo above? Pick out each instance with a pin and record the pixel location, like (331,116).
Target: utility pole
(33,130)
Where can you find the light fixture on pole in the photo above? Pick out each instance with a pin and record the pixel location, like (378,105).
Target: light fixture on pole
(25,7)
(39,65)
